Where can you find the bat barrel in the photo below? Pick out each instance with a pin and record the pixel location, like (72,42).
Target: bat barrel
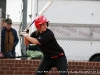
(40,13)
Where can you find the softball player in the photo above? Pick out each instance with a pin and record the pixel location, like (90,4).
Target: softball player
(54,55)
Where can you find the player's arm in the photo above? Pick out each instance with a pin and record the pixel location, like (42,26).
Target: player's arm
(31,39)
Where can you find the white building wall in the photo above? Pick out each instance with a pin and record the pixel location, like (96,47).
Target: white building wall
(66,11)
(61,11)
(74,12)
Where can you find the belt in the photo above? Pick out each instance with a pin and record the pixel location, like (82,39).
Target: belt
(59,55)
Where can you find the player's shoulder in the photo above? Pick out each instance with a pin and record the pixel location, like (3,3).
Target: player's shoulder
(33,33)
(49,31)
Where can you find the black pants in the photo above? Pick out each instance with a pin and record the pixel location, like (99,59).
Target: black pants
(47,63)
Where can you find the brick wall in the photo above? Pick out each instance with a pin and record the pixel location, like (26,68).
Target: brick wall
(28,67)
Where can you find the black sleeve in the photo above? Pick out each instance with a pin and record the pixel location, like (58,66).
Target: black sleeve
(33,34)
(45,37)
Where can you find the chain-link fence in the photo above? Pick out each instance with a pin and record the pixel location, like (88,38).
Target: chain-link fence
(75,23)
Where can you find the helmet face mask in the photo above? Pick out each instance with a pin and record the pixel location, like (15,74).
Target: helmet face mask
(40,20)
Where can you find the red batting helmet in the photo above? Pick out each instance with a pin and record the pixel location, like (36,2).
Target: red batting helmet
(40,20)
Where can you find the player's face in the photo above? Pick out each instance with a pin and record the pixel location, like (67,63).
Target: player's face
(43,27)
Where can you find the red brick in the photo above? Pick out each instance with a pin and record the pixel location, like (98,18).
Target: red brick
(14,69)
(2,72)
(72,74)
(9,72)
(97,68)
(2,61)
(69,63)
(18,65)
(23,69)
(27,65)
(17,61)
(5,68)
(95,74)
(89,67)
(29,62)
(9,65)
(80,67)
(31,69)
(8,61)
(97,64)
(90,64)
(34,62)
(38,62)
(13,61)
(24,61)
(81,63)
(18,72)
(34,65)
(73,63)
(21,61)
(28,72)
(94,64)
(77,63)
(2,64)
(71,67)
(90,74)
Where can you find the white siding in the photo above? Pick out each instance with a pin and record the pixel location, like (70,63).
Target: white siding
(65,11)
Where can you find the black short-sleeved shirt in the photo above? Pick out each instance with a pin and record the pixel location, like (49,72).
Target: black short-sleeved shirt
(49,45)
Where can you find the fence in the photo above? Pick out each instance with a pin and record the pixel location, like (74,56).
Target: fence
(75,23)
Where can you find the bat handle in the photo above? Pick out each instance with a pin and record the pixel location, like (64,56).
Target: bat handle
(27,28)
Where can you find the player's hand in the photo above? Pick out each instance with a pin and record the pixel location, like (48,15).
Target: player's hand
(23,34)
(26,30)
